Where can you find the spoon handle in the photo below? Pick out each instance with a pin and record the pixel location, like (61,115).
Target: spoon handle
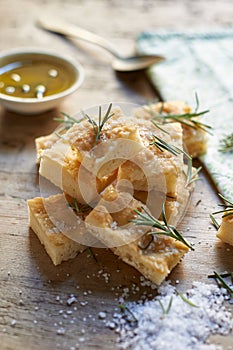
(67,29)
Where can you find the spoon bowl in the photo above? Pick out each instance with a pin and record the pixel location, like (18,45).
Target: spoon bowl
(135,63)
(119,63)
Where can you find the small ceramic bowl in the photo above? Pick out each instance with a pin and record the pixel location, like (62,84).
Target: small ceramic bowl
(24,72)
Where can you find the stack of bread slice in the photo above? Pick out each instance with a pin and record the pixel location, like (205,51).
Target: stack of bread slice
(104,175)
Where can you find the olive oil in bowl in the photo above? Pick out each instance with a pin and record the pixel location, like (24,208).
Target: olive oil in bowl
(32,82)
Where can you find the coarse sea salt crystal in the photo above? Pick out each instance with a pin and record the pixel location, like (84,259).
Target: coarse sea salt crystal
(184,327)
(71,301)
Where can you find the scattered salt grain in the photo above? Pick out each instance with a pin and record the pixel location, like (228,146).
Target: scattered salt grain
(83,303)
(102,315)
(111,325)
(184,327)
(13,323)
(61,331)
(71,301)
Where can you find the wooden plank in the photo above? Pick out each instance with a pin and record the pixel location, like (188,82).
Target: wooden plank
(33,292)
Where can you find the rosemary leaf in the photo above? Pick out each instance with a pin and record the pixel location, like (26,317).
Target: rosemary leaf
(187,119)
(214,222)
(191,175)
(125,308)
(228,207)
(146,219)
(167,310)
(68,121)
(79,208)
(163,145)
(186,300)
(92,254)
(226,144)
(224,275)
(97,128)
(220,279)
(159,127)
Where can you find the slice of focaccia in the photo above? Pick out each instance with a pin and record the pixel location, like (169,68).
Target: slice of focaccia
(127,142)
(60,165)
(195,139)
(175,206)
(119,140)
(58,246)
(153,256)
(44,142)
(225,231)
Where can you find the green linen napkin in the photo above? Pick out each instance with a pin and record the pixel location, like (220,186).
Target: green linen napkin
(202,63)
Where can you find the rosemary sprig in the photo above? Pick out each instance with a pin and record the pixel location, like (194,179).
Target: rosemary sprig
(68,121)
(146,219)
(168,308)
(219,278)
(223,275)
(78,207)
(226,144)
(125,308)
(186,300)
(191,175)
(214,222)
(101,121)
(188,119)
(159,127)
(92,253)
(163,145)
(228,207)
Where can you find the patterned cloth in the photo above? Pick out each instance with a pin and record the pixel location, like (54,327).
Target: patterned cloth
(202,63)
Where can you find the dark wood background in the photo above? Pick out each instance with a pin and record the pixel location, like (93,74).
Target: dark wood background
(33,293)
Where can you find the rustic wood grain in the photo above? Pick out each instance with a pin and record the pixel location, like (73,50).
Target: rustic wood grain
(32,291)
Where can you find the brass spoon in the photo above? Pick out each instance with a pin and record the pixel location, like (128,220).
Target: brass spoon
(119,63)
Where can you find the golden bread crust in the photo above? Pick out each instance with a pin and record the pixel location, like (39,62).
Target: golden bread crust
(58,246)
(225,231)
(156,261)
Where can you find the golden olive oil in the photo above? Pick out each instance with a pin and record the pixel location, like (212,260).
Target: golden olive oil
(22,78)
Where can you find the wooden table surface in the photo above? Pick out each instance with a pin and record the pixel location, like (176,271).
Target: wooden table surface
(33,293)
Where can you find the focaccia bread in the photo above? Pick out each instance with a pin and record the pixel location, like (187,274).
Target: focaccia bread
(194,139)
(127,163)
(44,142)
(154,260)
(58,246)
(126,142)
(225,231)
(60,165)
